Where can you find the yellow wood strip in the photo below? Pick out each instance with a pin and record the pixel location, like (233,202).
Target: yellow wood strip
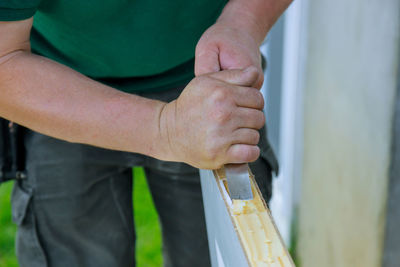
(257,232)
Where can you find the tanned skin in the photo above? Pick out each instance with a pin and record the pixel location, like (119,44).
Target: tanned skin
(214,121)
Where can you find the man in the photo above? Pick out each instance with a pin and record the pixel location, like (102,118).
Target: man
(94,78)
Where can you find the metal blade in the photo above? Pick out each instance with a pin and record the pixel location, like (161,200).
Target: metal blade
(237,176)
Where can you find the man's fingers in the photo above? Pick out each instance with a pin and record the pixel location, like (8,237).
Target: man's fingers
(249,118)
(246,77)
(206,61)
(246,136)
(241,153)
(260,80)
(248,97)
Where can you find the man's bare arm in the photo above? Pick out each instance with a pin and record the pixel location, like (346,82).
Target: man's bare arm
(57,101)
(213,122)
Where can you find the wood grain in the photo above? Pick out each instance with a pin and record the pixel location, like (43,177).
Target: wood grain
(258,234)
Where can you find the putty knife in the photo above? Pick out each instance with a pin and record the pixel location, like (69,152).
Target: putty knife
(237,176)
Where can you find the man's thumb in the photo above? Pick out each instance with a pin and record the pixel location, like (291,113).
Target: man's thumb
(206,61)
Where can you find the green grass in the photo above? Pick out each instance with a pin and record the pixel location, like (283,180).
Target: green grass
(294,238)
(148,244)
(7,228)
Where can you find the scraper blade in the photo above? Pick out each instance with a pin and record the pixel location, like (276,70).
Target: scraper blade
(237,176)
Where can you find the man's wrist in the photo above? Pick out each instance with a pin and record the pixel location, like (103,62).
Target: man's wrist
(149,130)
(165,122)
(255,17)
(242,20)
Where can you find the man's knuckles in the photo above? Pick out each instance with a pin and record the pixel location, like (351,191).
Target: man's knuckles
(213,149)
(221,94)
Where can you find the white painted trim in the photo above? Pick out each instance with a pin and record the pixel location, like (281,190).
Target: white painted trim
(224,244)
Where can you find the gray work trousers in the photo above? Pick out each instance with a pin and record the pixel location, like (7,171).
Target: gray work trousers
(75,207)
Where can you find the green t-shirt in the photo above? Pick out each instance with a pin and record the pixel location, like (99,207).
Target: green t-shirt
(149,42)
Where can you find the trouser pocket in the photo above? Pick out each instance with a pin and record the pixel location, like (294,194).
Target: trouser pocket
(28,248)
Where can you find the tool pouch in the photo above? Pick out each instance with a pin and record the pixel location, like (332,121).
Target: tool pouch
(12,151)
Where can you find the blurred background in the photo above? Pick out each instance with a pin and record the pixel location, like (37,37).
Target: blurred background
(333,114)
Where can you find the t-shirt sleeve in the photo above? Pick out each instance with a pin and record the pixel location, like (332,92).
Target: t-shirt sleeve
(11,10)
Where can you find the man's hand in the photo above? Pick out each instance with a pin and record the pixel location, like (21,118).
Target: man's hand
(233,41)
(223,47)
(226,130)
(215,120)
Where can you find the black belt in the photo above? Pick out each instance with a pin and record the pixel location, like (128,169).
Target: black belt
(12,151)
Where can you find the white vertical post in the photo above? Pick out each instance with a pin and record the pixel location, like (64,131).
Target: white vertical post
(286,186)
(350,91)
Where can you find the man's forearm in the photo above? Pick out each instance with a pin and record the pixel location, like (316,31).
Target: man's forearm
(57,101)
(256,17)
